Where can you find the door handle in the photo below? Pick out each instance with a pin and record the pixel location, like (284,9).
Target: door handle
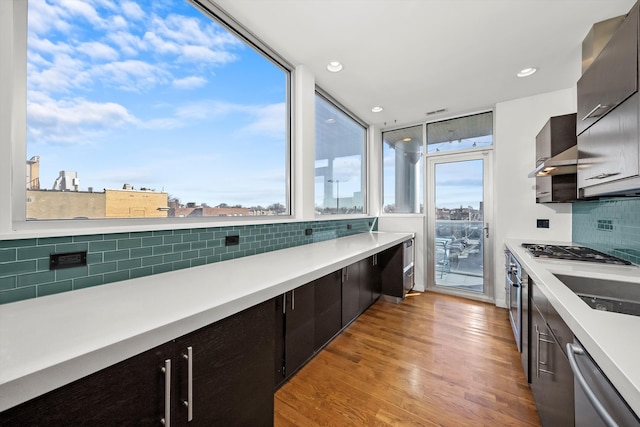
(166,369)
(596,108)
(189,402)
(486,230)
(572,351)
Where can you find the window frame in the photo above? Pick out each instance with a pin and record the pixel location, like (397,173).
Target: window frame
(13,119)
(426,155)
(365,185)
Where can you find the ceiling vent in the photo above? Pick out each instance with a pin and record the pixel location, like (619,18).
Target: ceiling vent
(431,113)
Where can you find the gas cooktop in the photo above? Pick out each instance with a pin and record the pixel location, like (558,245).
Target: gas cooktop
(572,253)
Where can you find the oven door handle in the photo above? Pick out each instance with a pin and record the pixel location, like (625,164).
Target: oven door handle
(572,351)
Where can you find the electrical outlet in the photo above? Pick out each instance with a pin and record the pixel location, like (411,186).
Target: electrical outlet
(542,223)
(308,232)
(232,240)
(67,260)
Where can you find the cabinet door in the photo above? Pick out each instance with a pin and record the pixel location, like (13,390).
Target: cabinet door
(328,307)
(551,376)
(608,151)
(299,327)
(391,264)
(612,77)
(128,393)
(367,274)
(350,293)
(232,371)
(278,358)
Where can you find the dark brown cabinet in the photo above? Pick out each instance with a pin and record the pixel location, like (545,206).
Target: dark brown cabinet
(551,375)
(612,77)
(328,308)
(557,135)
(350,293)
(294,331)
(230,366)
(607,123)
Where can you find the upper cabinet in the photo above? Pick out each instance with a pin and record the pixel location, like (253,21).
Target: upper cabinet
(608,115)
(557,136)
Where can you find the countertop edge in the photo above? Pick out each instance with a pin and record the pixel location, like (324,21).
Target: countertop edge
(42,373)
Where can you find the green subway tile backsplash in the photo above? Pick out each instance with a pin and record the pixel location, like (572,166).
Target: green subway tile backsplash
(24,264)
(610,225)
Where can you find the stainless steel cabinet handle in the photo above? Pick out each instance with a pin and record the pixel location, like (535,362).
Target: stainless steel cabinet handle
(572,351)
(166,421)
(284,303)
(604,175)
(540,193)
(596,108)
(293,299)
(189,402)
(538,341)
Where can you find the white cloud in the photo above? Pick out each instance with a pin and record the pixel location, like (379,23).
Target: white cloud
(44,16)
(98,51)
(268,120)
(132,75)
(132,11)
(83,9)
(129,44)
(191,82)
(73,121)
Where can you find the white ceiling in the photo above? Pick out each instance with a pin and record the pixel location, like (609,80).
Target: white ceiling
(415,56)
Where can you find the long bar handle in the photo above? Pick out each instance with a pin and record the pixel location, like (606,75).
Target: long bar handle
(604,175)
(572,351)
(189,402)
(596,108)
(166,369)
(538,341)
(293,300)
(284,303)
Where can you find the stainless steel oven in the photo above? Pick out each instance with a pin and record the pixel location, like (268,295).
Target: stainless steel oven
(513,289)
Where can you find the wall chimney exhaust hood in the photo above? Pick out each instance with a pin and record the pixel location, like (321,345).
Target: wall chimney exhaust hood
(563,163)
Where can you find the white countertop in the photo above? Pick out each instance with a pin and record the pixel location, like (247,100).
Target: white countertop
(51,341)
(610,338)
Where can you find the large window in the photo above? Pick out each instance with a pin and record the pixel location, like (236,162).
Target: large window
(403,170)
(340,161)
(462,133)
(151,109)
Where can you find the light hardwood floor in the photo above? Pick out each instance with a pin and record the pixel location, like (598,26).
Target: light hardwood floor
(431,360)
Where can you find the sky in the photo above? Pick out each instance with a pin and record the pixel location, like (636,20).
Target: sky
(157,95)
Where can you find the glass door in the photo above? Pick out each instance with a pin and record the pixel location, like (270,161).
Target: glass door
(458,229)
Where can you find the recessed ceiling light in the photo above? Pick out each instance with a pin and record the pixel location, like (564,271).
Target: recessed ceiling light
(334,66)
(330,120)
(406,139)
(526,72)
(377,109)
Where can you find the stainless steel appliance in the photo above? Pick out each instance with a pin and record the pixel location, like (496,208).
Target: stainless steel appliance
(408,279)
(517,297)
(572,253)
(597,403)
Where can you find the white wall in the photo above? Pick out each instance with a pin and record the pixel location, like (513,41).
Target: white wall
(517,123)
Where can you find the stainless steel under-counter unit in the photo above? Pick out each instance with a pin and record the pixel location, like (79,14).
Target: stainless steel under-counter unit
(397,267)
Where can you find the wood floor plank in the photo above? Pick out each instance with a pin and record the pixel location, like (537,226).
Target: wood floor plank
(433,360)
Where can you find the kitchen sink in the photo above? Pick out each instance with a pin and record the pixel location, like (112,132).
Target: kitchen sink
(606,295)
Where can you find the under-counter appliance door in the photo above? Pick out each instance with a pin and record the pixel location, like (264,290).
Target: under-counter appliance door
(585,412)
